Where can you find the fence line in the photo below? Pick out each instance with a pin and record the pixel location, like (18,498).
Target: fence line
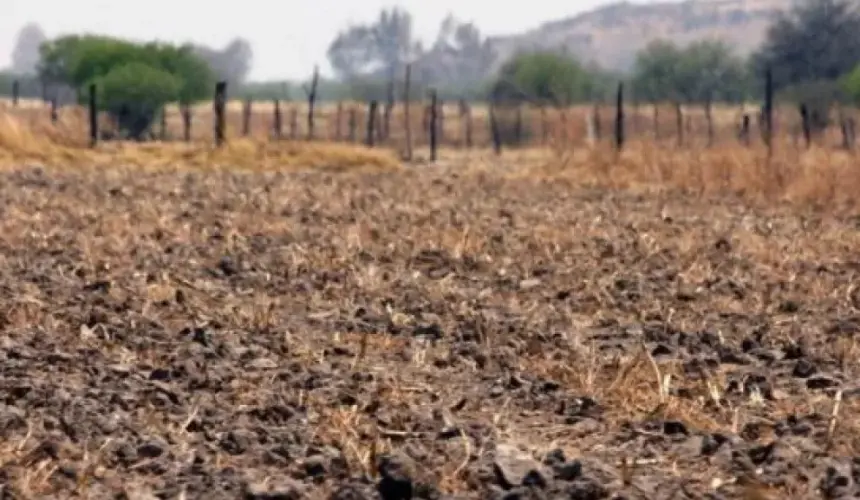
(502,126)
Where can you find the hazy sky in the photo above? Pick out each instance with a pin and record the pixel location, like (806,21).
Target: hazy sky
(288,36)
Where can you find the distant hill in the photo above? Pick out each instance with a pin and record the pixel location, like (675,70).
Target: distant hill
(611,35)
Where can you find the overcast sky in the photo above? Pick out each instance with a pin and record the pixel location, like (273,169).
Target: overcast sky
(288,36)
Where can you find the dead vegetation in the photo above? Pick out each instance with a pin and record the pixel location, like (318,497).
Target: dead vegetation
(190,323)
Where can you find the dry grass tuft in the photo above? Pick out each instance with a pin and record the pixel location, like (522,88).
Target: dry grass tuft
(37,142)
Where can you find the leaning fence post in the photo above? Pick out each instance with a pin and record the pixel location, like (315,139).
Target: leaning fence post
(218,104)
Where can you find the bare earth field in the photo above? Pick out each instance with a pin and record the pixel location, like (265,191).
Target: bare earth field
(426,333)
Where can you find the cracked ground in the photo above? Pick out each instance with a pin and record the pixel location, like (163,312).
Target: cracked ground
(425,333)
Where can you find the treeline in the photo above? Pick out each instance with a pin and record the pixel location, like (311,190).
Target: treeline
(811,51)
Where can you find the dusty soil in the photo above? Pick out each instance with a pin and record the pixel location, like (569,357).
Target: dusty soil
(419,335)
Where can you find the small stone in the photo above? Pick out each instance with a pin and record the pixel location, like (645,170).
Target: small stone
(228,266)
(431,331)
(395,481)
(803,369)
(515,468)
(236,442)
(151,449)
(285,489)
(263,364)
(674,427)
(712,443)
(821,382)
(834,484)
(530,283)
(315,467)
(568,471)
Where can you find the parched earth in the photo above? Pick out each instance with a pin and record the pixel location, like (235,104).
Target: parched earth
(423,334)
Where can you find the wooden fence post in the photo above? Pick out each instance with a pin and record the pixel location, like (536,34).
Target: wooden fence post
(219,104)
(163,131)
(371,117)
(16,92)
(619,117)
(54,114)
(440,121)
(387,110)
(380,133)
(656,118)
(494,130)
(407,121)
(433,124)
(294,123)
(709,119)
(338,135)
(806,125)
(278,125)
(679,123)
(745,130)
(94,116)
(312,97)
(544,127)
(768,111)
(246,117)
(465,124)
(186,122)
(353,124)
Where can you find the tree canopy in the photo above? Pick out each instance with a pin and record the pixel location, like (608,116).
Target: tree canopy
(383,47)
(25,55)
(702,71)
(815,40)
(547,77)
(134,80)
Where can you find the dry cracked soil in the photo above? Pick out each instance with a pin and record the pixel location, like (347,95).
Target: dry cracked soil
(421,334)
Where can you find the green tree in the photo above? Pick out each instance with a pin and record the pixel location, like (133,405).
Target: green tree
(154,74)
(544,77)
(702,71)
(656,71)
(815,40)
(850,85)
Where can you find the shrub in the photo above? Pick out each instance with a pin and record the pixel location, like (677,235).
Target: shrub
(134,93)
(543,77)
